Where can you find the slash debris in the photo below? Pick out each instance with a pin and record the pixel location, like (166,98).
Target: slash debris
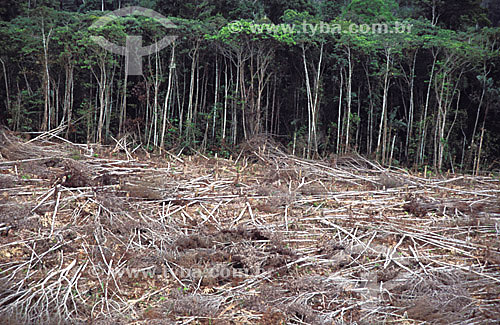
(91,234)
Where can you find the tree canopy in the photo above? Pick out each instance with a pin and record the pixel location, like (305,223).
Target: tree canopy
(415,83)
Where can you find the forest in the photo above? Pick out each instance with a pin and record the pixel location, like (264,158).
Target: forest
(424,97)
(249,162)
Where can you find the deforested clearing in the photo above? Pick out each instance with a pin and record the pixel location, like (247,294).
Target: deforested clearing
(101,234)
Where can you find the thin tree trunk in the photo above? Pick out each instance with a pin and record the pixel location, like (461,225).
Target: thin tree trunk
(424,119)
(483,92)
(167,97)
(123,110)
(341,88)
(316,99)
(309,104)
(409,128)
(273,107)
(382,135)
(216,97)
(68,97)
(312,103)
(153,129)
(478,160)
(46,80)
(358,121)
(244,93)
(6,85)
(349,98)
(102,99)
(234,125)
(189,116)
(226,98)
(369,132)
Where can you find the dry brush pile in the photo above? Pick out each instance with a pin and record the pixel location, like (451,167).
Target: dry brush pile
(106,236)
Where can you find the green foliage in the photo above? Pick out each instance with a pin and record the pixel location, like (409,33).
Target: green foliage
(202,10)
(275,9)
(233,38)
(10,9)
(238,32)
(369,11)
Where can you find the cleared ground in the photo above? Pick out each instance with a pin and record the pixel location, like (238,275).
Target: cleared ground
(114,235)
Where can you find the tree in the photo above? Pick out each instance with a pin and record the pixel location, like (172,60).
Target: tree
(10,9)
(369,11)
(454,14)
(275,9)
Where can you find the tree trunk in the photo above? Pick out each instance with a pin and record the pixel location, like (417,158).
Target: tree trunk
(167,97)
(7,95)
(382,135)
(409,127)
(216,97)
(481,100)
(226,99)
(190,115)
(46,80)
(426,109)
(341,88)
(312,103)
(369,131)
(349,98)
(68,97)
